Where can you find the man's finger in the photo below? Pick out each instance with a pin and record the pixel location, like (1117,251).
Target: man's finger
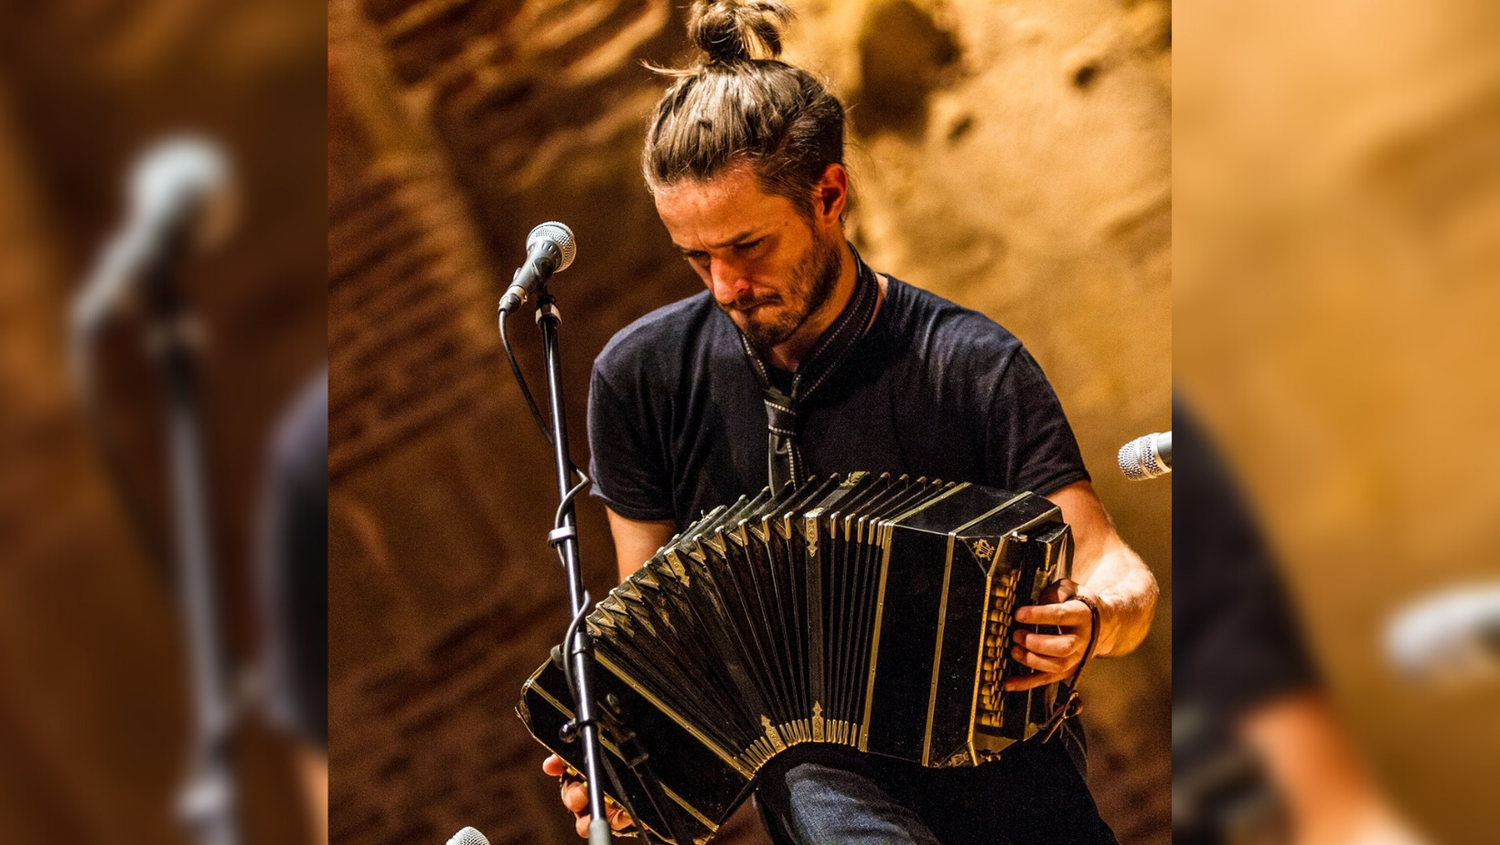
(1069,613)
(618,818)
(1039,662)
(1052,645)
(575,796)
(554,765)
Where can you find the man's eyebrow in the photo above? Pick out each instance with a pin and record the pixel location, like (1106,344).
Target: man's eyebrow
(736,239)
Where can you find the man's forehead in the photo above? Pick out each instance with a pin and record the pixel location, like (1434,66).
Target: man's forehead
(721,210)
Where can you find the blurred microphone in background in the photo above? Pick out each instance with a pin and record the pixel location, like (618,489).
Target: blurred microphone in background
(182,202)
(1450,637)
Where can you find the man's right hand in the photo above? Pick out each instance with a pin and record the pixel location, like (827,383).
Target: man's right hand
(575,796)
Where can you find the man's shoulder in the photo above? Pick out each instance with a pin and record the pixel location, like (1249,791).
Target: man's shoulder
(945,329)
(657,338)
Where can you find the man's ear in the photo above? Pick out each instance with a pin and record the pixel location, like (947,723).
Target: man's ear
(831,194)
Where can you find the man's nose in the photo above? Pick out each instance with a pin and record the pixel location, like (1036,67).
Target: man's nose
(728,283)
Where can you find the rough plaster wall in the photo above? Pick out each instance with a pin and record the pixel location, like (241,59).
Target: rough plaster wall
(1007,176)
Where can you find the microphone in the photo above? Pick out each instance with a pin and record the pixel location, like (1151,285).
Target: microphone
(1147,457)
(468,836)
(549,249)
(181,200)
(1450,636)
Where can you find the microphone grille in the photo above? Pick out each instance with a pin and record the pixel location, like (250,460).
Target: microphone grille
(1139,459)
(559,235)
(468,836)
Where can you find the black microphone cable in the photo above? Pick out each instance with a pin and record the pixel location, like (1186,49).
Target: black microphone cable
(515,368)
(541,422)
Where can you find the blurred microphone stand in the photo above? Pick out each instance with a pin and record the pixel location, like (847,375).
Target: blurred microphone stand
(207,802)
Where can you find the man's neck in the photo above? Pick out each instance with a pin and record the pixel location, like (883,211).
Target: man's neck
(788,355)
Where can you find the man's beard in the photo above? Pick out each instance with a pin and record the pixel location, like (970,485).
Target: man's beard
(813,282)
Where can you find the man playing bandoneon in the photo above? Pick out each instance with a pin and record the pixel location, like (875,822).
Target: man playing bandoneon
(800,360)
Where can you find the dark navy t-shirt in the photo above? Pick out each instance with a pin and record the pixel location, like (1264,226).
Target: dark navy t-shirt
(677,425)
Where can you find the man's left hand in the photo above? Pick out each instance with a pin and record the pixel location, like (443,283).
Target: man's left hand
(1055,657)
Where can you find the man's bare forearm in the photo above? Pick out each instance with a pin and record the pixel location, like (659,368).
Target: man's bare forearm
(1110,570)
(1127,594)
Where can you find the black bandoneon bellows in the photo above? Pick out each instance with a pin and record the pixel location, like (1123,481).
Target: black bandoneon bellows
(870,612)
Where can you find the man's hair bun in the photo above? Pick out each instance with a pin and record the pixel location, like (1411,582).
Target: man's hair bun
(738,30)
(741,103)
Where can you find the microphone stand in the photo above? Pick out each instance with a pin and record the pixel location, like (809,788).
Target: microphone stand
(207,801)
(580,652)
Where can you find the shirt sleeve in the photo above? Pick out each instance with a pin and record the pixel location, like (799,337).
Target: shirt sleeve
(293,560)
(1029,444)
(1236,639)
(626,461)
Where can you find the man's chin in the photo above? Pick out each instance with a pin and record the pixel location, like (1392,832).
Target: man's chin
(763,337)
(765,325)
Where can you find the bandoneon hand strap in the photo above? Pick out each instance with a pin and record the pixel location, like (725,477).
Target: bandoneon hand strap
(1070,704)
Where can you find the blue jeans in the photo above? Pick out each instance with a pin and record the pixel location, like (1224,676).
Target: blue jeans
(1034,795)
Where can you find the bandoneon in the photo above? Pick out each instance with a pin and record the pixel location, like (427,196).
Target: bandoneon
(870,612)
